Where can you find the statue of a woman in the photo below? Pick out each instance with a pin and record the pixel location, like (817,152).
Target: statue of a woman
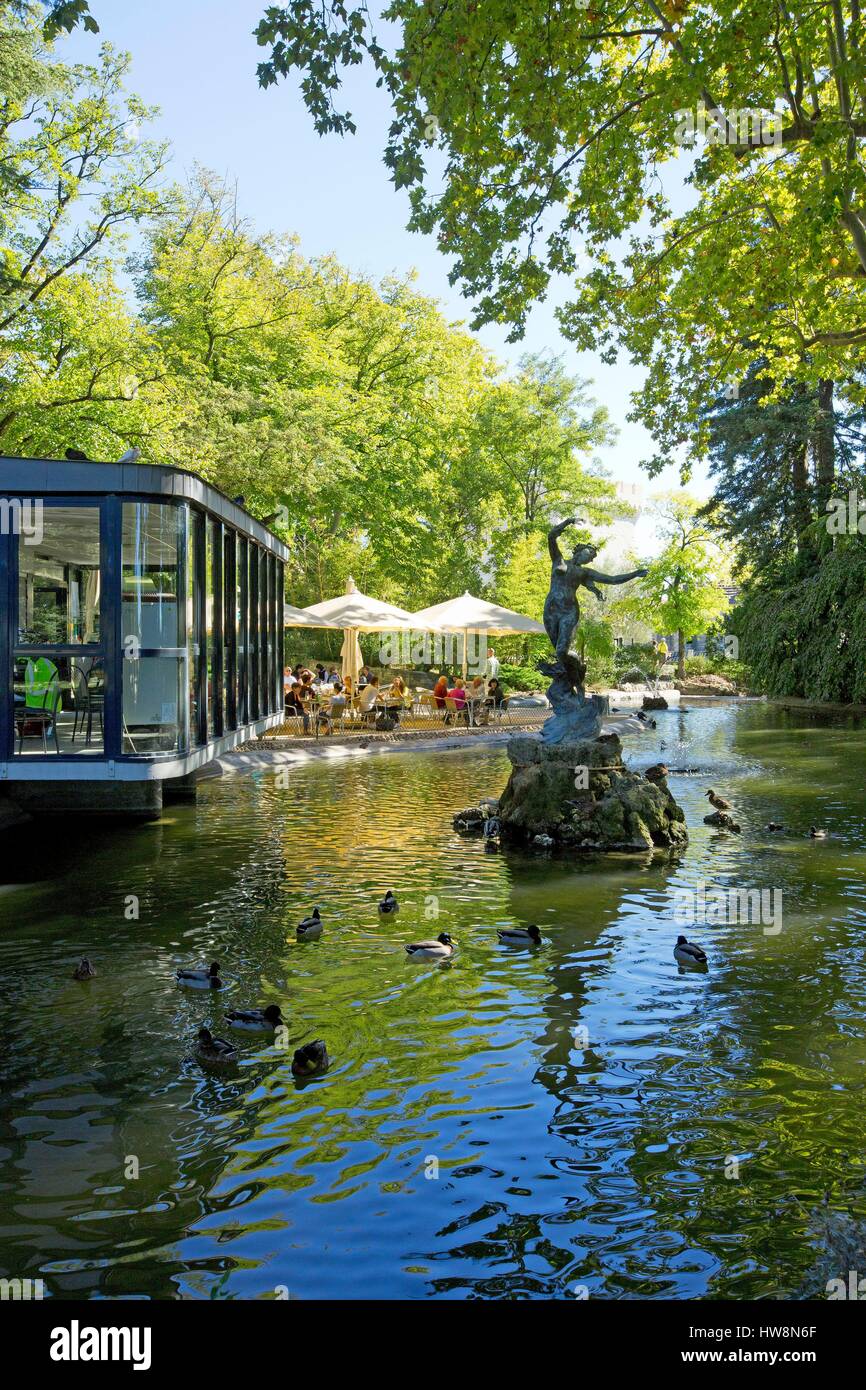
(561,608)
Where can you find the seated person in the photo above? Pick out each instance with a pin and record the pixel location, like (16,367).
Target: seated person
(369,696)
(304,695)
(495,693)
(440,690)
(458,695)
(395,697)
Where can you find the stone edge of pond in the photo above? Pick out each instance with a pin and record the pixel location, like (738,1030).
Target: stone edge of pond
(251,757)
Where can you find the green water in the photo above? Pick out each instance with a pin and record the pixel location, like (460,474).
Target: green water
(566,1161)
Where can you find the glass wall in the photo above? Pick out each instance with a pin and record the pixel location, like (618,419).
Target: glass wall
(243,630)
(196,625)
(253,645)
(136,628)
(230,631)
(58,579)
(152,610)
(58,693)
(217,635)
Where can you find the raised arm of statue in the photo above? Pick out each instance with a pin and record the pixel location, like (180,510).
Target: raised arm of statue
(553,536)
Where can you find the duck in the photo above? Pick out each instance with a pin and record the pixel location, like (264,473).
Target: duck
(718,801)
(84,970)
(774,825)
(687,953)
(256,1020)
(816,834)
(440,949)
(211,1049)
(520,936)
(310,1059)
(389,904)
(201,979)
(311,926)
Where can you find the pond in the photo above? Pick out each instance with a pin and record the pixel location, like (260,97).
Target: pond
(581,1119)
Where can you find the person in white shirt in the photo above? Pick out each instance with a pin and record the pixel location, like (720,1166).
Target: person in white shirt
(492,662)
(369,695)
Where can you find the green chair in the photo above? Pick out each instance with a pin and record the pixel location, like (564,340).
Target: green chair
(41,702)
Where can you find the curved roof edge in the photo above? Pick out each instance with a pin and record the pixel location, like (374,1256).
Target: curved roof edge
(26,476)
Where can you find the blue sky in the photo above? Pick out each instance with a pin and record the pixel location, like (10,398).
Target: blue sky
(196,60)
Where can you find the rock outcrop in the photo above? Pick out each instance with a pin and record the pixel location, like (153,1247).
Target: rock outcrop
(580,797)
(709,684)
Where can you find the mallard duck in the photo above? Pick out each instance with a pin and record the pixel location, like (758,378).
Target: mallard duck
(774,825)
(201,979)
(256,1020)
(440,949)
(389,903)
(718,801)
(816,834)
(211,1049)
(310,1059)
(311,926)
(520,936)
(687,953)
(84,970)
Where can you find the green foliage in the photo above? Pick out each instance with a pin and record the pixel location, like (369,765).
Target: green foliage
(64,15)
(514,676)
(808,638)
(736,671)
(681,592)
(552,127)
(381,440)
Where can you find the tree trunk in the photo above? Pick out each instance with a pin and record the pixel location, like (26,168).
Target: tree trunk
(681,655)
(825,449)
(800,509)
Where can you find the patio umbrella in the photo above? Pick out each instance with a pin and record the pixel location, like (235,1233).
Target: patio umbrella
(350,655)
(296,617)
(469,614)
(355,612)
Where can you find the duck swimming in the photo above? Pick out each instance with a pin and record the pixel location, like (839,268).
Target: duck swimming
(256,1020)
(687,953)
(389,903)
(211,1049)
(520,936)
(440,949)
(816,834)
(84,970)
(774,825)
(311,1059)
(311,926)
(201,979)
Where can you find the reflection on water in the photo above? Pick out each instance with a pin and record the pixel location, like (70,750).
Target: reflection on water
(585,1104)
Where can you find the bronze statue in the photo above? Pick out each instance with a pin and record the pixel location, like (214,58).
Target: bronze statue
(574,716)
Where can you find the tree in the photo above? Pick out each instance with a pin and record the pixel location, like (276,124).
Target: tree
(554,125)
(75,174)
(772,472)
(681,592)
(61,16)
